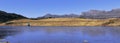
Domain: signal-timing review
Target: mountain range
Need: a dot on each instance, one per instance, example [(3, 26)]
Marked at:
[(98, 14), (60, 16), (92, 14)]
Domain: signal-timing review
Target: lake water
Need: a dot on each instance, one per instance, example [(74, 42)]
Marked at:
[(37, 34)]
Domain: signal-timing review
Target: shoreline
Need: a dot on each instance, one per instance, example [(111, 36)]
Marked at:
[(114, 22), (60, 26)]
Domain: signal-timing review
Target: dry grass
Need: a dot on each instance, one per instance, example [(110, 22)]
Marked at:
[(66, 22)]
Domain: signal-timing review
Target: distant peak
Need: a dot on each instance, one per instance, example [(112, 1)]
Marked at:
[(117, 9)]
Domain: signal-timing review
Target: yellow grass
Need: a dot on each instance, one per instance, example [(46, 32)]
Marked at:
[(66, 22)]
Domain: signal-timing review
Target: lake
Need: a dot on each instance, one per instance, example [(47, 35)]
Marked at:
[(59, 34)]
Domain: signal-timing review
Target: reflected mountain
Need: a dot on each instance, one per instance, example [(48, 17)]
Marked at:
[(7, 31)]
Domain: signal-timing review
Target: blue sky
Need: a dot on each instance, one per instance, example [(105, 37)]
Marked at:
[(36, 8)]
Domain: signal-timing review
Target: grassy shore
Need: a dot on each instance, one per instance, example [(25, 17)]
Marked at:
[(65, 22)]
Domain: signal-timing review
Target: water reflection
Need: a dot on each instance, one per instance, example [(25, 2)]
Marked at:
[(7, 31), (64, 34)]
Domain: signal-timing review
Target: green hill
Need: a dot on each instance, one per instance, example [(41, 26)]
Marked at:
[(4, 16)]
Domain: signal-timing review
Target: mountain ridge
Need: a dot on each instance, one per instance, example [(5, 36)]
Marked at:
[(91, 14), (99, 14), (4, 16)]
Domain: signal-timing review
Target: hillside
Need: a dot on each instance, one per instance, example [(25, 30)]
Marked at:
[(4, 16), (66, 22)]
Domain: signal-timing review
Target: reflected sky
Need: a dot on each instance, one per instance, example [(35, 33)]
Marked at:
[(65, 35)]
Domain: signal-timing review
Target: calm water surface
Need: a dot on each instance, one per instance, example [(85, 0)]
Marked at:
[(22, 34)]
